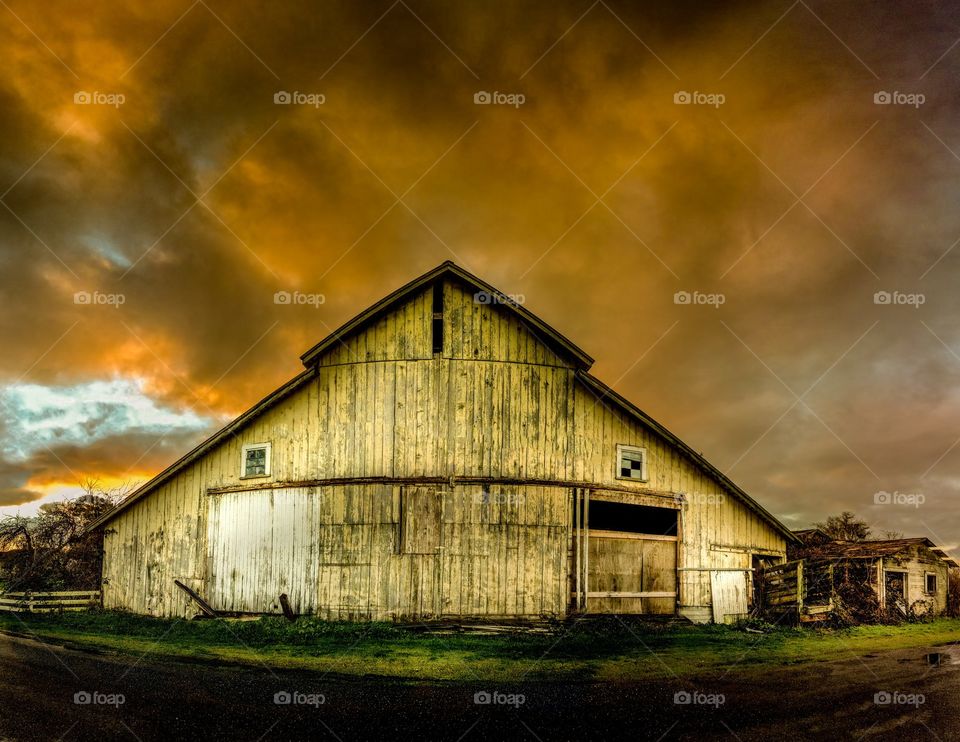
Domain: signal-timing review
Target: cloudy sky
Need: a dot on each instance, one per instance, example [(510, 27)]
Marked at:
[(745, 213)]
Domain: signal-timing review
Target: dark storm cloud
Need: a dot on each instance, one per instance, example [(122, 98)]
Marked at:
[(297, 197)]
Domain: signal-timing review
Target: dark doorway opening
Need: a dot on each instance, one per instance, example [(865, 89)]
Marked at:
[(629, 518)]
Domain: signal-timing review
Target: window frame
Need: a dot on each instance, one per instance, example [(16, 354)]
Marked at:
[(267, 460), (926, 577), (621, 447)]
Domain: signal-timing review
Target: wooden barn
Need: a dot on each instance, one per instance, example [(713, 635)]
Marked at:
[(443, 454)]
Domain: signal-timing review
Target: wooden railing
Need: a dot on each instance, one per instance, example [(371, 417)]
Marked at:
[(48, 602), (801, 588)]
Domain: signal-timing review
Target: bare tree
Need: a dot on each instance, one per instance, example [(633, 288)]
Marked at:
[(53, 550), (845, 527)]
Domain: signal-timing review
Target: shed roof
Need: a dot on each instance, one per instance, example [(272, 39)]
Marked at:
[(872, 549)]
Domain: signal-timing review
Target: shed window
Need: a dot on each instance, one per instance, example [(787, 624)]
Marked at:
[(631, 463), (931, 583), (255, 460)]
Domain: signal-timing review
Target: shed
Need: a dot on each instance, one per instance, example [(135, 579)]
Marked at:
[(896, 578)]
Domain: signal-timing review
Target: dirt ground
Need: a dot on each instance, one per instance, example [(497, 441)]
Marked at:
[(127, 698)]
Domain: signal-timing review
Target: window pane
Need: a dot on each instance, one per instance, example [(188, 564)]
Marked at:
[(256, 462)]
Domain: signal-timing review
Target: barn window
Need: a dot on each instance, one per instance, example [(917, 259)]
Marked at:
[(255, 460), (931, 583), (631, 463)]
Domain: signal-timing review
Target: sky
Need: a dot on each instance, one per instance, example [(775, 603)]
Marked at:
[(744, 212)]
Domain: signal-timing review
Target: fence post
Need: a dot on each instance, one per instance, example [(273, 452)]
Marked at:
[(801, 588)]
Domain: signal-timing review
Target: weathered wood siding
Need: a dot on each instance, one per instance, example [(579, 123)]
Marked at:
[(348, 552), (497, 403), (918, 561), (718, 530)]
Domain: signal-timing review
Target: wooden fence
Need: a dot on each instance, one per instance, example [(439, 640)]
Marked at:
[(49, 602), (803, 590)]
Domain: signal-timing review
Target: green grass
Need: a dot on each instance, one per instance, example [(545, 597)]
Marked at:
[(606, 651)]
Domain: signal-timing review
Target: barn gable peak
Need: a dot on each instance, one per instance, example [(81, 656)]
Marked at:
[(450, 270)]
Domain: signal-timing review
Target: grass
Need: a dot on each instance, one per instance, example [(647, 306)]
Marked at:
[(607, 651)]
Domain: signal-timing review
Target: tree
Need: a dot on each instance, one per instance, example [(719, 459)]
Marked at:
[(845, 527), (891, 535), (53, 549)]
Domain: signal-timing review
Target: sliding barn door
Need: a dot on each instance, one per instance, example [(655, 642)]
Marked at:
[(625, 557), (262, 544)]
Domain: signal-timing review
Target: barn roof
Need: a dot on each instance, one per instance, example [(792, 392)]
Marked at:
[(543, 331)]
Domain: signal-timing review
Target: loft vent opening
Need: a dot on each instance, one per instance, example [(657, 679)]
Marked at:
[(437, 326)]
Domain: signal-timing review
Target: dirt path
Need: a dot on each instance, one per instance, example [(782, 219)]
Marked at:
[(162, 701)]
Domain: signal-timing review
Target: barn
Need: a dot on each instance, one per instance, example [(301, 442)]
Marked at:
[(445, 453)]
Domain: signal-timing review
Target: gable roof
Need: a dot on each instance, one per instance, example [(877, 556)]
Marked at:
[(544, 332)]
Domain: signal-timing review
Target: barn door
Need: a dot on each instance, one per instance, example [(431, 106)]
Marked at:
[(627, 557), (262, 544), (729, 590)]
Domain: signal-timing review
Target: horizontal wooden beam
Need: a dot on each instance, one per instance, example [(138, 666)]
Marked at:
[(45, 603), (665, 499), (715, 569), (645, 594), (632, 536), (64, 594), (740, 549), (37, 609)]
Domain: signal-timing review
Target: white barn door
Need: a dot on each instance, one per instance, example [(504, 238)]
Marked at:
[(262, 544), (729, 590)]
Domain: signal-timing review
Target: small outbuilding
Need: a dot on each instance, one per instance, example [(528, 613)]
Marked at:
[(883, 579)]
